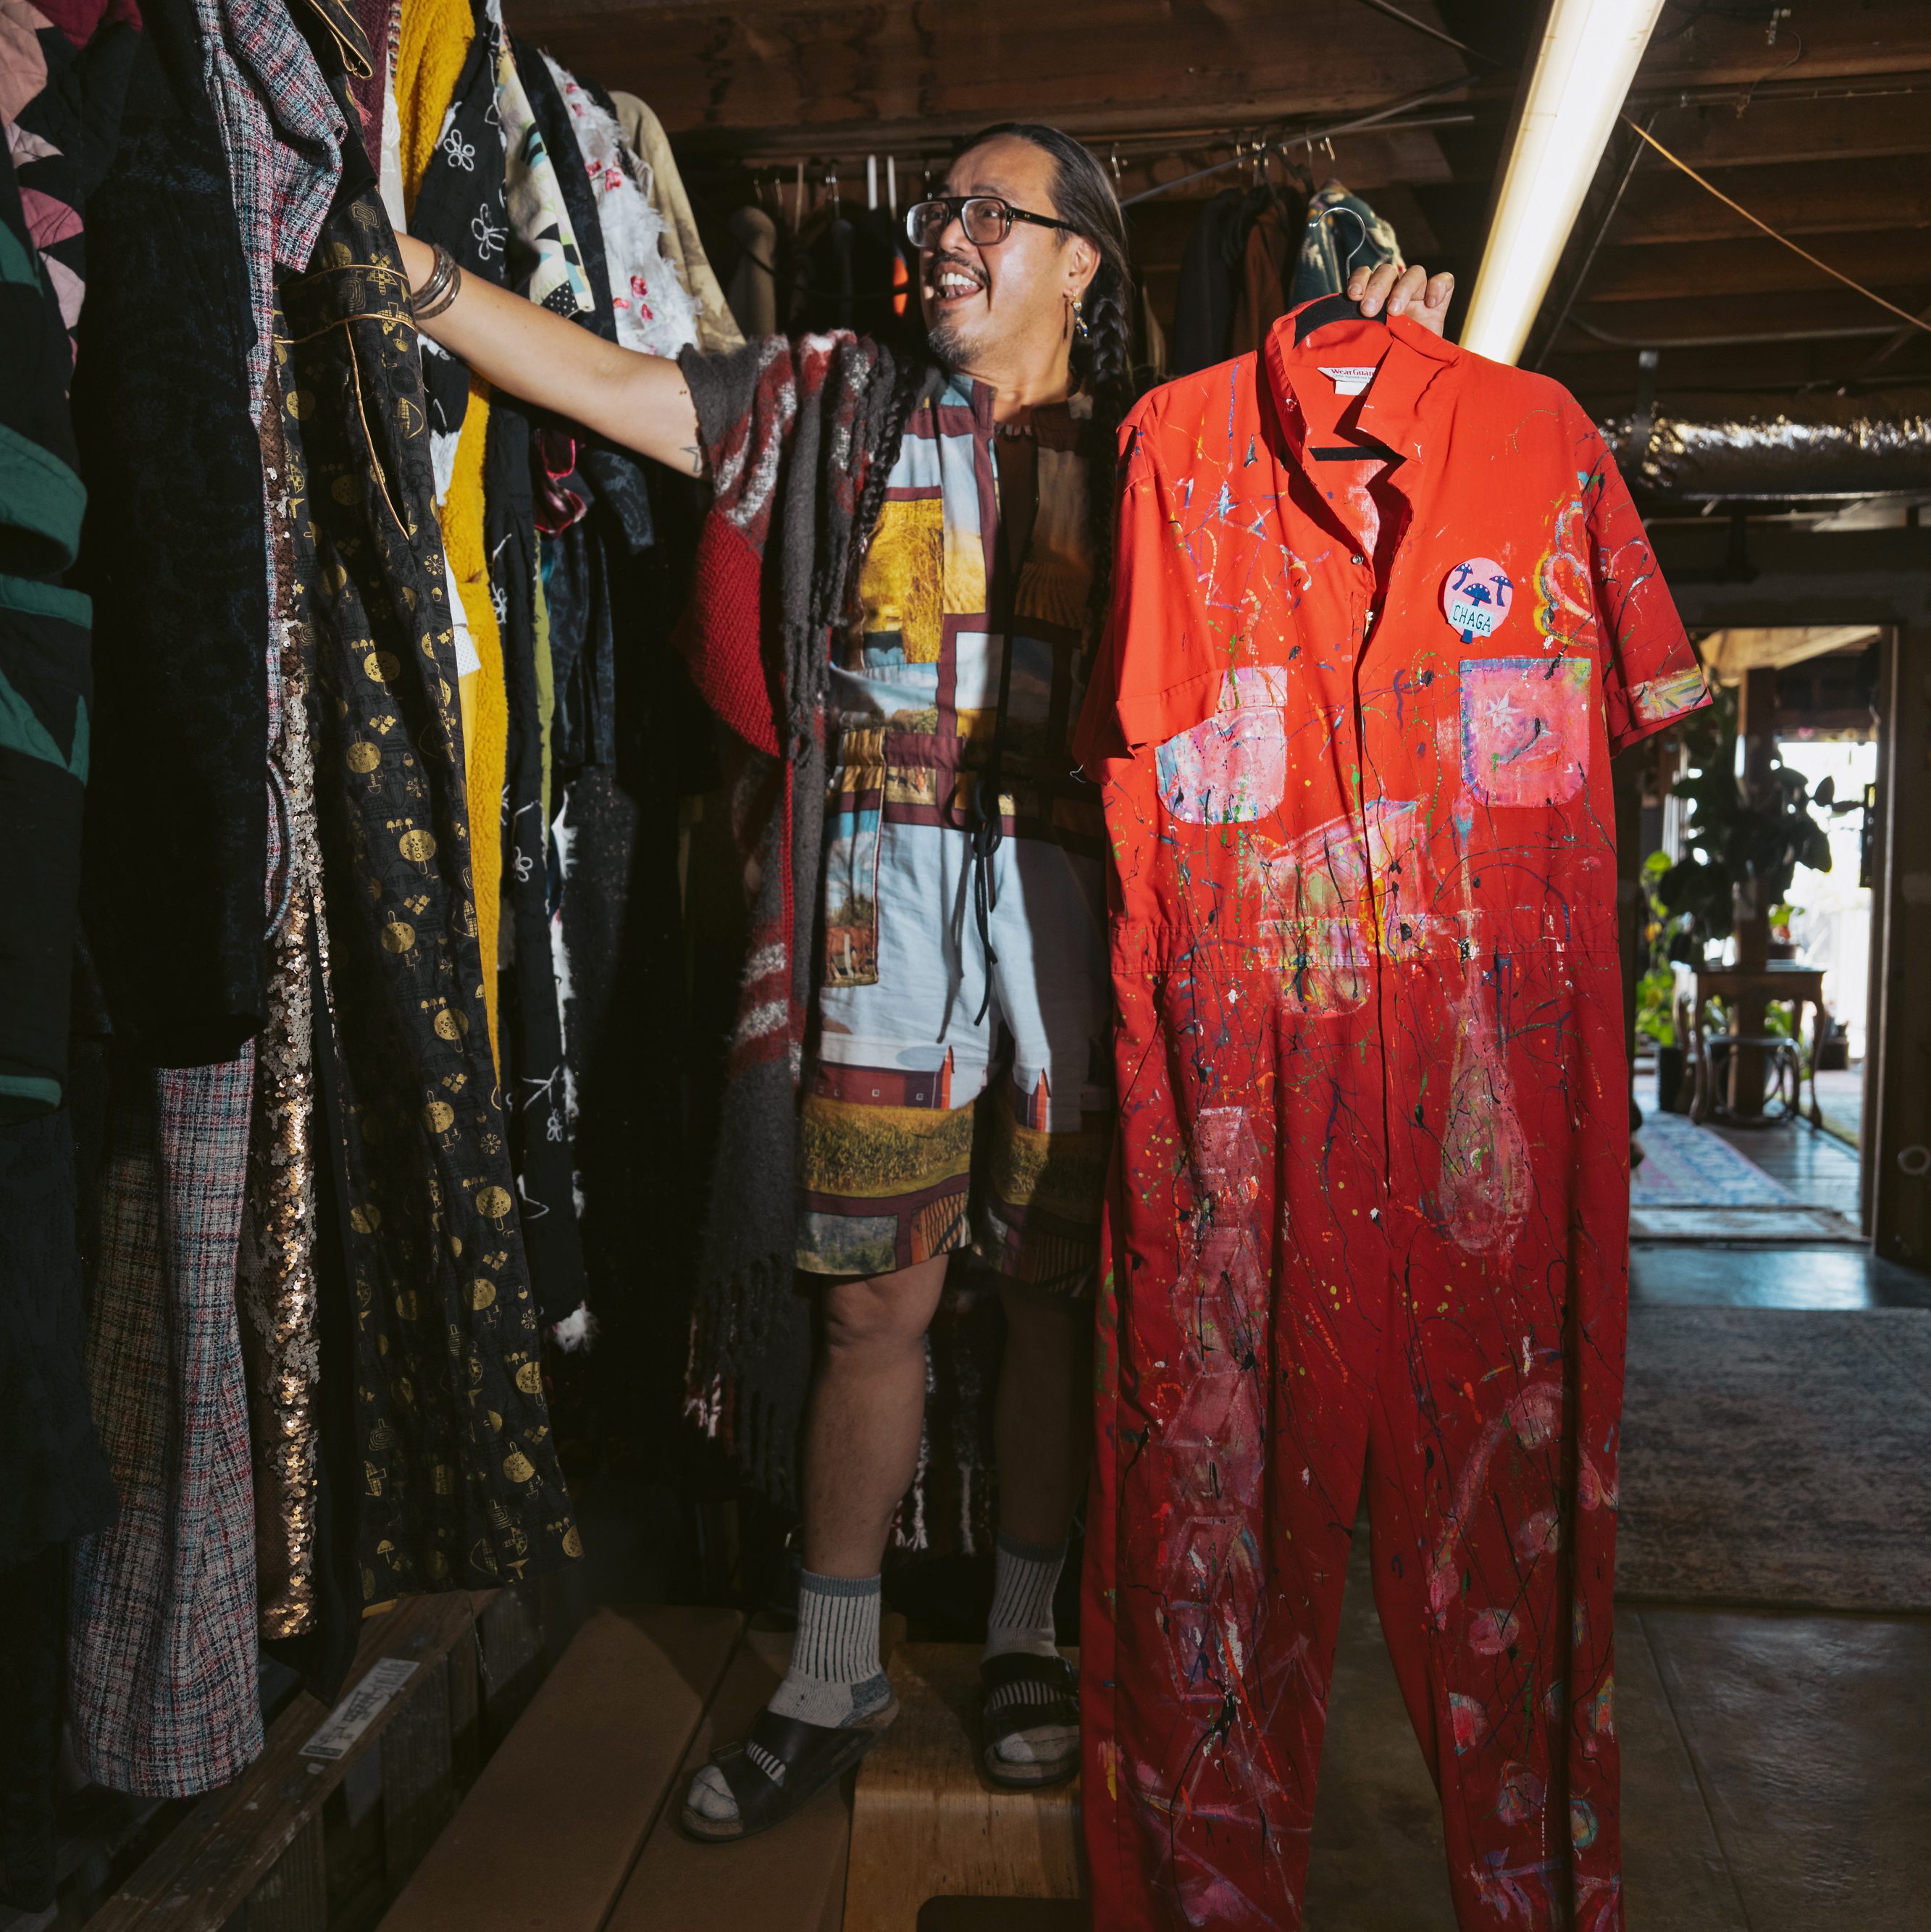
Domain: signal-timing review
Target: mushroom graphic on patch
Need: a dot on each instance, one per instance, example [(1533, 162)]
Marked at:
[(1476, 597)]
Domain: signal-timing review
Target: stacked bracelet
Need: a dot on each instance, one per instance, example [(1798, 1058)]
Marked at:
[(444, 285)]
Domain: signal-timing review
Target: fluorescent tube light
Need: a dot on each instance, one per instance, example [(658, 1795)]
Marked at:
[(1590, 52)]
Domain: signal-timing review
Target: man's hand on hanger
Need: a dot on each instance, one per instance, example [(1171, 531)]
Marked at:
[(1411, 291)]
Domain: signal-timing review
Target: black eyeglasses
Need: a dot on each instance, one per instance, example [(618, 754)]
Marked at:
[(987, 220)]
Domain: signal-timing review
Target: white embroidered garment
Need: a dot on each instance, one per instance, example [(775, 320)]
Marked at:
[(654, 310)]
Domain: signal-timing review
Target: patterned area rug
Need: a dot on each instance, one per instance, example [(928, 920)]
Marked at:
[(1685, 1165), (1778, 1457), (1770, 1226)]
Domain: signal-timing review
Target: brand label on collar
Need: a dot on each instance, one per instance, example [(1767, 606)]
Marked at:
[(1349, 382), (1475, 598)]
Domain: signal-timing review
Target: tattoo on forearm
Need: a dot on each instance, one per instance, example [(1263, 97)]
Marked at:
[(695, 452)]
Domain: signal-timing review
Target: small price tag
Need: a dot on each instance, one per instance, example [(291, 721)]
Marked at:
[(358, 1711), (1476, 597)]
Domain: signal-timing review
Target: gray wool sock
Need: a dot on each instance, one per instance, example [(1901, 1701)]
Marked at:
[(834, 1679), (835, 1676), (1025, 1575)]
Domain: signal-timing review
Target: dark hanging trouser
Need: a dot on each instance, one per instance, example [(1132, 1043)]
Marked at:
[(530, 1028)]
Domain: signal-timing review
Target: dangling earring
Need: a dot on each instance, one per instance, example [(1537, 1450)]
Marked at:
[(1079, 320)]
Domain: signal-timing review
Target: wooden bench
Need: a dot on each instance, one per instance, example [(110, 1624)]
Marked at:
[(789, 1879), (571, 1825), (253, 1855), (551, 1829)]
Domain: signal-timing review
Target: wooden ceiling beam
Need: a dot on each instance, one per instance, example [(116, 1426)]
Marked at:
[(1822, 39), (917, 72), (1800, 198), (1780, 132), (1768, 365), (1885, 259), (1695, 310)]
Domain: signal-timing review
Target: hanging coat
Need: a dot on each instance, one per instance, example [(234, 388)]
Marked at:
[(176, 853)]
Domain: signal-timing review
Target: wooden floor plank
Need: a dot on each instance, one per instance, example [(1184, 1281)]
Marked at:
[(550, 1831), (789, 1879), (926, 1825)]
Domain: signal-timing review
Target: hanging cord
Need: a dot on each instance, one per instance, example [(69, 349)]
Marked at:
[(1433, 32), (1858, 288), (985, 818)]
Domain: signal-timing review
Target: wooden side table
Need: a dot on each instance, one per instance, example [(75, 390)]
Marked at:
[(1781, 979)]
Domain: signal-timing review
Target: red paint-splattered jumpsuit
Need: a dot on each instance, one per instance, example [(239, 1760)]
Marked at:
[(1368, 1217)]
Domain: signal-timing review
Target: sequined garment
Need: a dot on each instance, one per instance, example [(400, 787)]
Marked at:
[(275, 1283), (461, 1484)]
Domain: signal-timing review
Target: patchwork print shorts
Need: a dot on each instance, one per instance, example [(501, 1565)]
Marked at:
[(926, 1129)]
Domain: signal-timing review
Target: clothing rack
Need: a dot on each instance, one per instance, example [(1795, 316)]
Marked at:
[(903, 161), (1280, 142)]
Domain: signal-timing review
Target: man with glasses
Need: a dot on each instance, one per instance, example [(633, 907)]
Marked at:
[(961, 1094)]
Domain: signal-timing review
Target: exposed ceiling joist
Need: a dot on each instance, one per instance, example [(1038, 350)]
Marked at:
[(1728, 655), (1703, 47), (915, 72), (1885, 259), (1778, 130), (1833, 197)]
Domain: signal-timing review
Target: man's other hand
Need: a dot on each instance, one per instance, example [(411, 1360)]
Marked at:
[(1412, 291)]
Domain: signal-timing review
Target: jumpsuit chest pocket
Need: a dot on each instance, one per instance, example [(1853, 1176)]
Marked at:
[(1231, 769), (1526, 728)]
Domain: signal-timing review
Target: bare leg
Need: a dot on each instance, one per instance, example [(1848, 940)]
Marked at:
[(867, 1409), (861, 1435), (1043, 1416)]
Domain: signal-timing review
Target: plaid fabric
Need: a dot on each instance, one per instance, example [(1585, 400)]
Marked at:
[(282, 131), (163, 1631)]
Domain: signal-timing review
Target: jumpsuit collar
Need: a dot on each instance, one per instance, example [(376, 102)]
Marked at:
[(1409, 358)]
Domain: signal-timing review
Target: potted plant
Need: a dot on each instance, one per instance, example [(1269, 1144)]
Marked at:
[(1742, 845), (1657, 1016), (1781, 946)]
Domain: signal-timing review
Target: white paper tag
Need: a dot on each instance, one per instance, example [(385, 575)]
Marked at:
[(1349, 382), (358, 1711)]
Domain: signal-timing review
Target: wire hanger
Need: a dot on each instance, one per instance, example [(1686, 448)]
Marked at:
[(1360, 232)]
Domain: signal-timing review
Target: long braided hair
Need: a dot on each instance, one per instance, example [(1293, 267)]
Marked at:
[(1103, 358)]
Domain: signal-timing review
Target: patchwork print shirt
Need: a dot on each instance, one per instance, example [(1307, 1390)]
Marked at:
[(915, 686)]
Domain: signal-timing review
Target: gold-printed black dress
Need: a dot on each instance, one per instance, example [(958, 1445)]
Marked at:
[(461, 1484)]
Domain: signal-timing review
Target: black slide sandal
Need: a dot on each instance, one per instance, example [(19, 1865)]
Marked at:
[(1003, 1714), (811, 1756)]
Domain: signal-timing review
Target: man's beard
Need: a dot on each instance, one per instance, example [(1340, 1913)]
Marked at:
[(947, 344)]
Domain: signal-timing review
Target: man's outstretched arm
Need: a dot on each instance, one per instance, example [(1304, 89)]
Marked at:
[(638, 400)]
